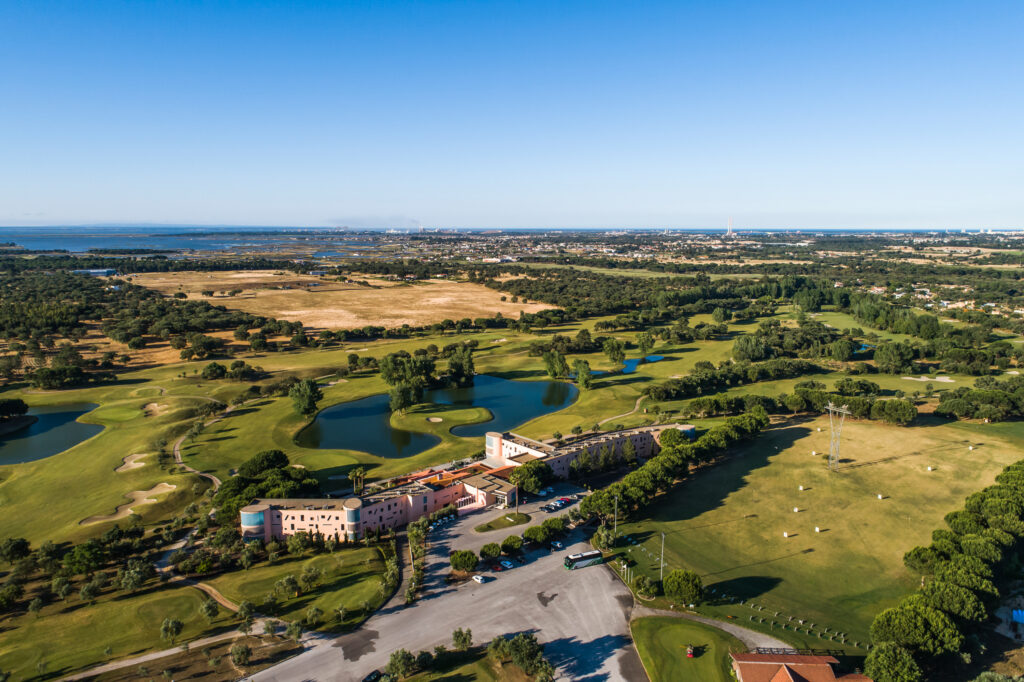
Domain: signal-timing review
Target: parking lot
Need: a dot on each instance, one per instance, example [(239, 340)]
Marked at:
[(582, 616)]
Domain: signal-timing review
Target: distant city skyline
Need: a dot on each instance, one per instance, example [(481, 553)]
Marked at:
[(575, 115)]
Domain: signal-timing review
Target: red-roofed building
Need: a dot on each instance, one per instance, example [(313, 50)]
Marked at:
[(789, 668)]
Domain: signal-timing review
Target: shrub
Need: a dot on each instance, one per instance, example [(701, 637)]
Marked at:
[(683, 587)]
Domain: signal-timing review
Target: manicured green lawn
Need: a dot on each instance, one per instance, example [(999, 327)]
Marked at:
[(662, 642), (506, 521), (73, 636), (727, 522), (84, 476), (170, 401), (351, 578)]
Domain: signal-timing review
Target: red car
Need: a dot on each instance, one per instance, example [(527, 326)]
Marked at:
[(497, 568)]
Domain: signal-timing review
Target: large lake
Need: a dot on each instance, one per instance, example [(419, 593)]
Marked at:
[(55, 431), (365, 425)]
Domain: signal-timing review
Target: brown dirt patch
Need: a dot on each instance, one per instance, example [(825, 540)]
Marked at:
[(324, 304)]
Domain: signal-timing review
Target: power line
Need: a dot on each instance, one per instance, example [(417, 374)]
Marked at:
[(836, 415)]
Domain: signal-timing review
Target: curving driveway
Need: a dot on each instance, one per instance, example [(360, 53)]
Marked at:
[(581, 616)]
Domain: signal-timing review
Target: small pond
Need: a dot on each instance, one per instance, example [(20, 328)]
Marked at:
[(365, 424), (54, 431), (628, 366)]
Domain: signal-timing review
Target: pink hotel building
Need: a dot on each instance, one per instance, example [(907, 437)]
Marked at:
[(409, 497)]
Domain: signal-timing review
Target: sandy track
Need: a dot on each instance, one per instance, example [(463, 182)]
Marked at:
[(138, 497)]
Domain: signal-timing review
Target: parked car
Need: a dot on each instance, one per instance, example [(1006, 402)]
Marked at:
[(478, 579), (555, 544), (519, 559), (372, 677), (496, 568), (507, 564)]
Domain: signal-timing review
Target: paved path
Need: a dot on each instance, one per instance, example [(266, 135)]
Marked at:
[(750, 638), (177, 451), (636, 407), (581, 616)]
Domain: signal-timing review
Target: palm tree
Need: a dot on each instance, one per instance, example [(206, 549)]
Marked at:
[(357, 475)]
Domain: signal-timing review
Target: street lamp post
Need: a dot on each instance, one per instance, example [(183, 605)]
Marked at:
[(661, 577), (615, 522)]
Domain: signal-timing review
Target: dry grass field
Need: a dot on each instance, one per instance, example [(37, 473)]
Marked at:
[(325, 304)]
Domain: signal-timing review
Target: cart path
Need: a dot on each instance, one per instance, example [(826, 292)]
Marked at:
[(624, 414), (750, 638)]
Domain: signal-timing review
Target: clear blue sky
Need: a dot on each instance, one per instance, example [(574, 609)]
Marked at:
[(526, 114)]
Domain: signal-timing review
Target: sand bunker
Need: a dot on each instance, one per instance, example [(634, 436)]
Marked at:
[(434, 420), (941, 380), (131, 462), (155, 409), (137, 497)]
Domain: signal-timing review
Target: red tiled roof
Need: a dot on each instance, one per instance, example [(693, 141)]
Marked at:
[(789, 668)]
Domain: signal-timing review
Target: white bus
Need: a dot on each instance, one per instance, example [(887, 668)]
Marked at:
[(583, 559)]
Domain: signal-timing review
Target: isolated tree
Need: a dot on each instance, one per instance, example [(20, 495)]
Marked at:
[(246, 610), (531, 476), (289, 585), (89, 592), (14, 549), (170, 629), (294, 631), (209, 609), (241, 654), (555, 364), (536, 534), (310, 577), (462, 639), (305, 395), (401, 664), (645, 342), (511, 544), (683, 587), (401, 397), (463, 560), (490, 550), (615, 350), (584, 377)]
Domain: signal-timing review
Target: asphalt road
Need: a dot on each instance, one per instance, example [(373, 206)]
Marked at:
[(581, 616)]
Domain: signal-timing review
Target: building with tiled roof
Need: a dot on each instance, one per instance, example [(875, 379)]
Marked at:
[(790, 668)]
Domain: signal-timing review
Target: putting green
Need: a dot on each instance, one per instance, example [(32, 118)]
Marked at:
[(662, 644)]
